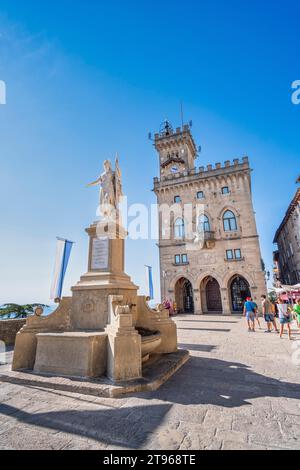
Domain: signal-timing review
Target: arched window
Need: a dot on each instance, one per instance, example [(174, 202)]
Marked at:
[(203, 223), (179, 230), (229, 221)]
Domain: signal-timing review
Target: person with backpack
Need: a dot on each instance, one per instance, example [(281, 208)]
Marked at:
[(267, 311), (249, 312)]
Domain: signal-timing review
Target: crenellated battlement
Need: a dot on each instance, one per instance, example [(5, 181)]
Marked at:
[(171, 133), (207, 172)]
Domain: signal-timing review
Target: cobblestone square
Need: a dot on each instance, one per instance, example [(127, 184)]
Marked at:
[(239, 390)]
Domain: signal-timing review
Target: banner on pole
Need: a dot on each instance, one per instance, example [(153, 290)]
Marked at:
[(62, 256), (149, 278)]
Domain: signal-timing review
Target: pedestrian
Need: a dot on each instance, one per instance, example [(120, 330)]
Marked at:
[(249, 312), (167, 305), (268, 314), (171, 310), (296, 309), (284, 317), (274, 308), (256, 313)]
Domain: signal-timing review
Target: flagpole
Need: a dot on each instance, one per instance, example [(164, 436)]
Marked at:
[(63, 251), (150, 281)]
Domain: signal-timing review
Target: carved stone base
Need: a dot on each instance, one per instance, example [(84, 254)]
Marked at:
[(26, 339), (90, 305), (81, 354), (105, 277), (124, 361)]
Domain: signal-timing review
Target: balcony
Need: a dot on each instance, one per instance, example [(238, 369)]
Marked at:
[(208, 236)]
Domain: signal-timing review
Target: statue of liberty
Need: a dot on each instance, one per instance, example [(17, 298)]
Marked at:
[(110, 183)]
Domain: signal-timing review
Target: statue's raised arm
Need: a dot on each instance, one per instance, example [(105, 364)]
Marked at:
[(95, 183)]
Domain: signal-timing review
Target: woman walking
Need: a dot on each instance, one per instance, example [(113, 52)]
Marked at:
[(284, 317)]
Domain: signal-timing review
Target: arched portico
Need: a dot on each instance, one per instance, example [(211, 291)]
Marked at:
[(210, 294), (239, 290), (184, 296)]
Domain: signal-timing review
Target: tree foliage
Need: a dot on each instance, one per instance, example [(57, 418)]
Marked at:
[(19, 311)]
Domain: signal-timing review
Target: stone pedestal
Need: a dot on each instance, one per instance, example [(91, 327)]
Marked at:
[(94, 332), (26, 339), (81, 354), (124, 354), (105, 277)]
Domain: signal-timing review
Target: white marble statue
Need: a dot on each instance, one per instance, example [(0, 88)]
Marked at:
[(118, 182), (110, 183)]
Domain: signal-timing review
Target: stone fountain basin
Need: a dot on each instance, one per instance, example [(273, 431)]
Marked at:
[(150, 342)]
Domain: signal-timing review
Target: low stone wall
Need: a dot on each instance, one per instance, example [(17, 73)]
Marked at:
[(9, 329)]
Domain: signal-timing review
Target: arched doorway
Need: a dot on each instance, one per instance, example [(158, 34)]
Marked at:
[(239, 291), (184, 296), (211, 295)]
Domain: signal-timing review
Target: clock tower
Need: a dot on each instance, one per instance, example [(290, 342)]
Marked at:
[(177, 150), (220, 267)]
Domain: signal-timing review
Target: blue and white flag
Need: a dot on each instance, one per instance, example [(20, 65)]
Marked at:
[(150, 281), (63, 251)]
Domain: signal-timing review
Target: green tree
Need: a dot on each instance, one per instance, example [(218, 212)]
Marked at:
[(19, 311)]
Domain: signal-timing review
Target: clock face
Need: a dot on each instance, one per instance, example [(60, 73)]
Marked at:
[(174, 169)]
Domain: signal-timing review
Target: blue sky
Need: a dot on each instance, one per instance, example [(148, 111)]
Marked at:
[(88, 78)]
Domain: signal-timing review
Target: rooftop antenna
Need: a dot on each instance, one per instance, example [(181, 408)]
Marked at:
[(181, 112)]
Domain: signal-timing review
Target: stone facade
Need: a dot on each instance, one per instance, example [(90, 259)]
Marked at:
[(287, 237), (213, 262), (9, 329)]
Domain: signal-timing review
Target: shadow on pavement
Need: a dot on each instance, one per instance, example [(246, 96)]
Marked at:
[(220, 330), (121, 426), (216, 382), (201, 381), (197, 347), (208, 321)]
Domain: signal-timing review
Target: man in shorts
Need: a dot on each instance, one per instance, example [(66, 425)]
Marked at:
[(249, 312), (268, 314)]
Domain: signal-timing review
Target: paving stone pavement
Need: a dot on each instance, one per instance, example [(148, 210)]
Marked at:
[(239, 390)]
